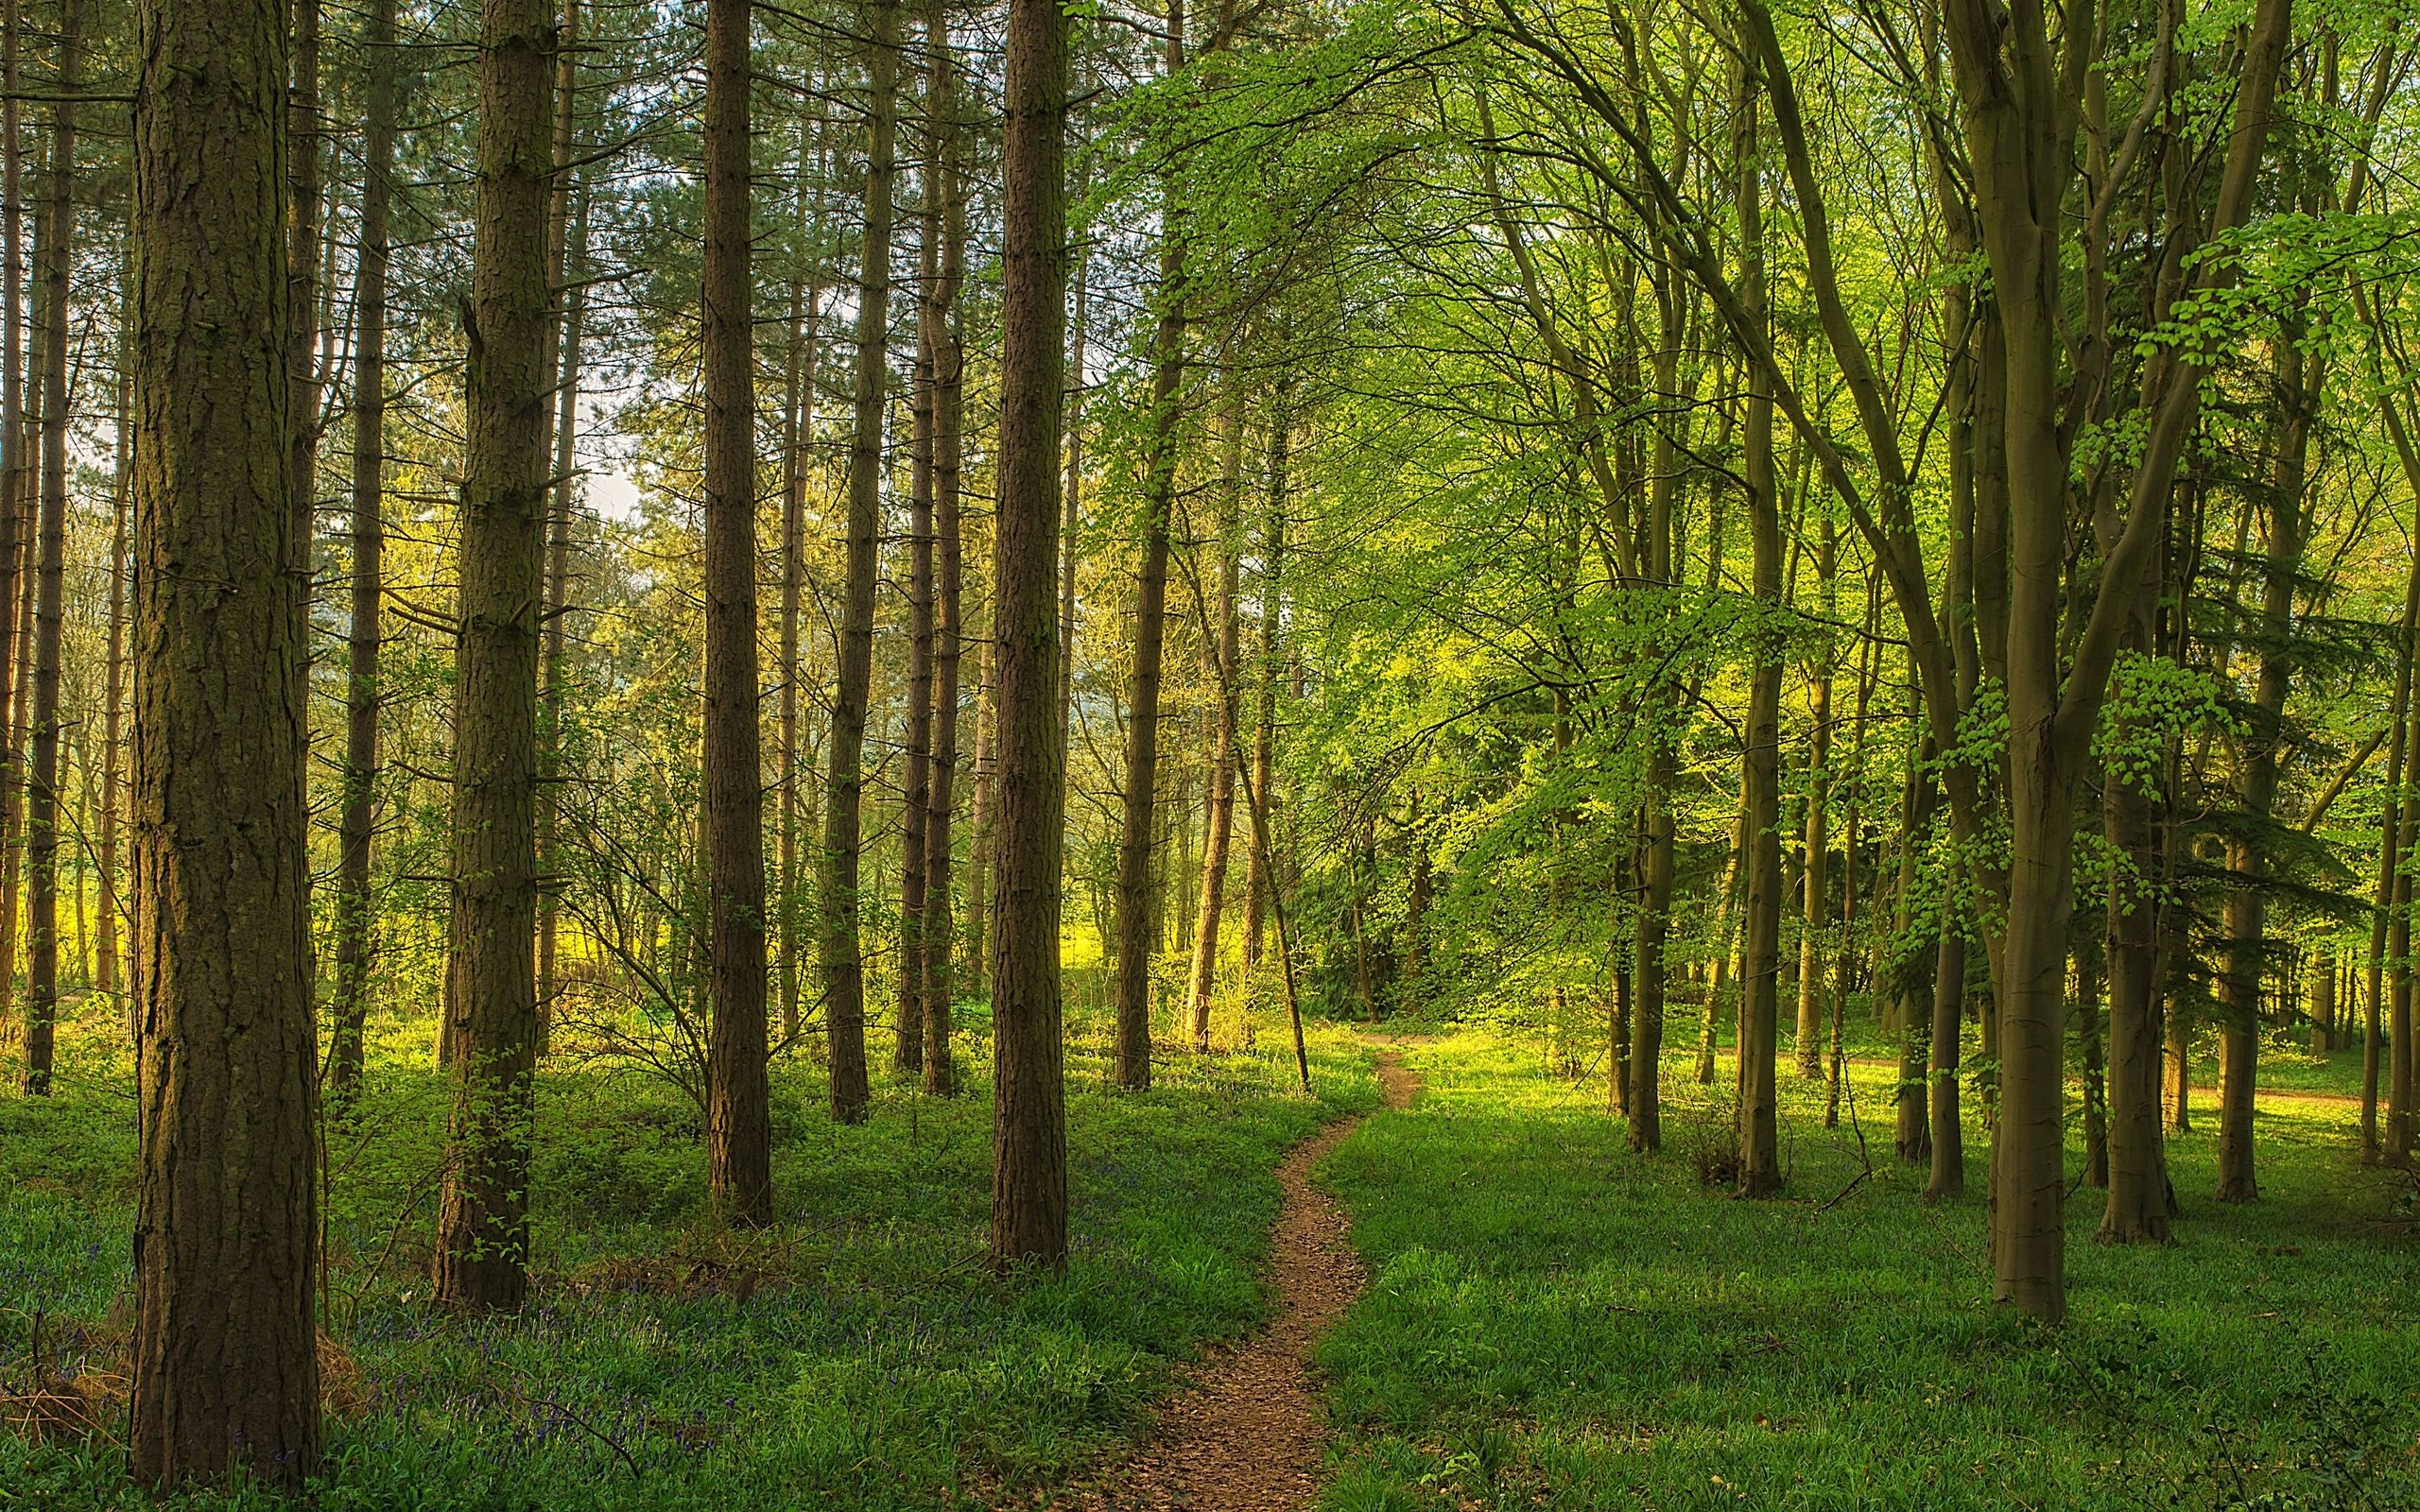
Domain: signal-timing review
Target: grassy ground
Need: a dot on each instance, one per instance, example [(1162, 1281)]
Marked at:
[(858, 1356), (1553, 1322)]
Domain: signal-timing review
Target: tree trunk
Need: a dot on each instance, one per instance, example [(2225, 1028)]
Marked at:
[(55, 256), (1132, 1066), (1224, 636), (798, 433), (2391, 843), (1760, 1131), (1029, 1121), (844, 977), (107, 976), (739, 1112), (2095, 1111), (225, 1359), (1815, 899), (566, 254), (1260, 881), (948, 375), (2301, 380), (916, 788), (483, 1220), (1071, 518), (357, 917)]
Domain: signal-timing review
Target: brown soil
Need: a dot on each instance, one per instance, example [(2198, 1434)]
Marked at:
[(1247, 1433)]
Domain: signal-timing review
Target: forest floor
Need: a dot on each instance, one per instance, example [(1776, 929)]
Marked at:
[(1247, 1431), (1552, 1321), (858, 1356), (1543, 1319)]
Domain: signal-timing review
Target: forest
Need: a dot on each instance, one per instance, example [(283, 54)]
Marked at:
[(1362, 755)]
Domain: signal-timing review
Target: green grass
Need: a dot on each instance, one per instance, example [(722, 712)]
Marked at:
[(858, 1356), (1554, 1322)]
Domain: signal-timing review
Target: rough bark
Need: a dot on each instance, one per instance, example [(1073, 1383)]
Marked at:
[(1029, 1121), (483, 1218), (738, 1112), (225, 1360)]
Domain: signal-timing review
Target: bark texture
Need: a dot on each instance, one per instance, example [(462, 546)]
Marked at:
[(225, 1359)]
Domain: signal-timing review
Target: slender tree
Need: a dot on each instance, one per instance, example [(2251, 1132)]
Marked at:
[(55, 257), (949, 376), (1030, 1120), (738, 1116), (843, 954), (356, 909), (483, 1219)]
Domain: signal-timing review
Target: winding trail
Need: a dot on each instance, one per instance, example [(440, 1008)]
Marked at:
[(1247, 1434)]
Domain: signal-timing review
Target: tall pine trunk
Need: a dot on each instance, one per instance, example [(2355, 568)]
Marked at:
[(55, 257), (357, 918), (948, 375), (844, 970), (483, 1218), (738, 1107), (225, 1359), (1030, 1122)]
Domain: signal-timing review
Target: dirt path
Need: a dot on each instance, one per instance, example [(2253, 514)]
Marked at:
[(1247, 1434)]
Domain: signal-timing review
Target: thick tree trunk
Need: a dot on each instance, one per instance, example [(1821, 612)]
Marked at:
[(1030, 1122), (225, 1358), (483, 1220), (2139, 1209), (739, 1112), (844, 972), (357, 918), (55, 257)]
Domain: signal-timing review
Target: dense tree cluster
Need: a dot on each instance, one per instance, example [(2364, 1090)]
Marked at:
[(688, 536)]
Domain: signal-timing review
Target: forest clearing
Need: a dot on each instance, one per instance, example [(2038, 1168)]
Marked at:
[(1361, 755)]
